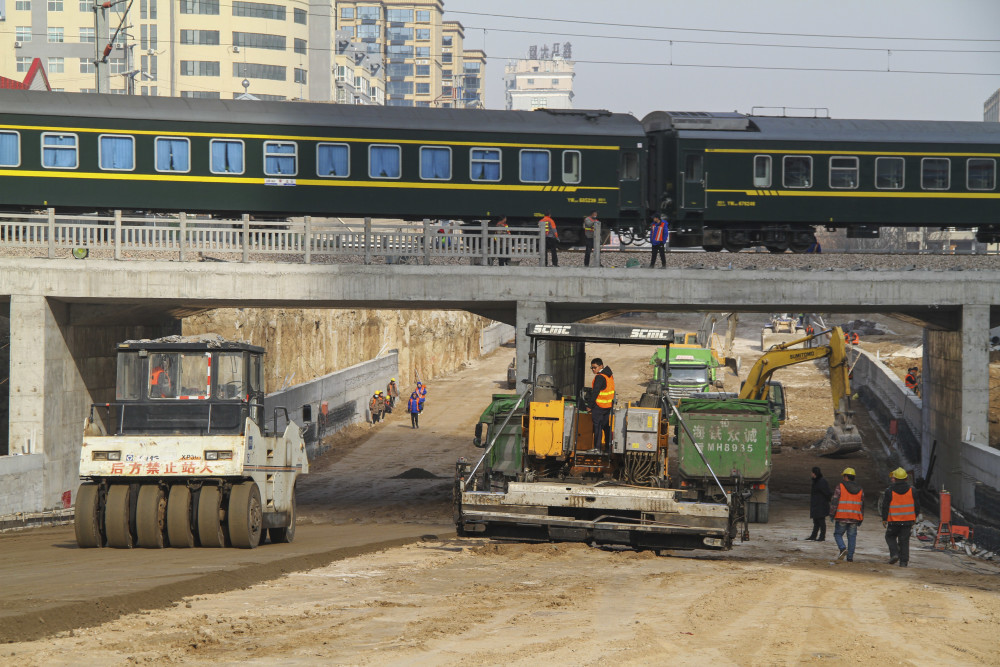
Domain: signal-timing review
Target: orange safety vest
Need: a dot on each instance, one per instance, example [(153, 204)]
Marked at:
[(550, 228), (157, 372), (901, 507), (849, 506), (607, 395), (911, 381)]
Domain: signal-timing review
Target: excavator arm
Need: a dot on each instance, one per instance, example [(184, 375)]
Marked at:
[(844, 433)]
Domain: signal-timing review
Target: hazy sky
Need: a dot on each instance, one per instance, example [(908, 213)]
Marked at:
[(903, 59)]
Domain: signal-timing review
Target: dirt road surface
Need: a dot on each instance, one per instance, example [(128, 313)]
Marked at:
[(775, 600)]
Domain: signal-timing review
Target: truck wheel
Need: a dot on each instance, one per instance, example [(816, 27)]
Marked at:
[(287, 534), (117, 517), (151, 516), (179, 517), (245, 516), (763, 509), (87, 516), (751, 510), (209, 522)]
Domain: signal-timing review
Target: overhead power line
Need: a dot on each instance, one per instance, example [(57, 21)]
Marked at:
[(716, 30)]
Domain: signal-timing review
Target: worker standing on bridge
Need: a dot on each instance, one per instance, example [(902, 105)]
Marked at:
[(601, 400), (899, 513), (413, 407), (658, 239), (503, 232), (551, 238), (847, 507), (911, 379), (588, 233)]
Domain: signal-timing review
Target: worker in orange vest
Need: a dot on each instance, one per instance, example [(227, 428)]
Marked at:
[(911, 379), (551, 238), (851, 338), (601, 401), (847, 507), (159, 380), (899, 513)]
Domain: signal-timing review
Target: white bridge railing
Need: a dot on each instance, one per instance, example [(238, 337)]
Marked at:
[(303, 240)]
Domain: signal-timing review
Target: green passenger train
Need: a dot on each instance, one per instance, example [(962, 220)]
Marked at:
[(725, 181)]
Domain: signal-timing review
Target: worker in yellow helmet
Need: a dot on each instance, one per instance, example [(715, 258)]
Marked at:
[(899, 513), (391, 394), (847, 507)]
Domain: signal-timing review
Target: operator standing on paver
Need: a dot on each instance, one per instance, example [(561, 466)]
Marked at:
[(601, 399), (847, 507), (899, 513)]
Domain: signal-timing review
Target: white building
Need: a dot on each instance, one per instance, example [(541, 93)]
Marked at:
[(991, 108), (543, 80)]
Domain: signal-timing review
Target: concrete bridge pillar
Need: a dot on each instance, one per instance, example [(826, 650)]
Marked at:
[(956, 394)]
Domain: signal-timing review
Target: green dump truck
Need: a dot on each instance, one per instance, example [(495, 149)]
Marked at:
[(735, 438), (692, 370)]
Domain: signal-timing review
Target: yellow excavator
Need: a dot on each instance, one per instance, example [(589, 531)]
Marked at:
[(843, 437)]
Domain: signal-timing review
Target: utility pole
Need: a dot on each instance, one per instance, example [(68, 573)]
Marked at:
[(102, 27)]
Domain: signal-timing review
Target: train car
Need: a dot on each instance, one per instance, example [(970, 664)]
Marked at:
[(730, 181), (85, 152)]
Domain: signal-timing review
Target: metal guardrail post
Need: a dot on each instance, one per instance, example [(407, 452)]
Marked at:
[(52, 232), (368, 240), (183, 238), (486, 242), (598, 236), (427, 242), (118, 234), (246, 237), (309, 239), (541, 243)]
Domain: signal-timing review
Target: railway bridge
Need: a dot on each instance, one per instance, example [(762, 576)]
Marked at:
[(66, 316)]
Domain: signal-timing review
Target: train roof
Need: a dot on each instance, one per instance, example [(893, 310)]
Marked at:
[(573, 122), (735, 127)]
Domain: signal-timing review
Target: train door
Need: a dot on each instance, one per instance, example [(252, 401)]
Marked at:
[(629, 185), (693, 181)]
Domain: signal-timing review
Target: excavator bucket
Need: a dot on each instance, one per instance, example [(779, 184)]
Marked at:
[(843, 437)]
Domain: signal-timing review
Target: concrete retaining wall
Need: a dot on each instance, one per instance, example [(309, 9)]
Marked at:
[(494, 336), (345, 392), (22, 484), (887, 398)]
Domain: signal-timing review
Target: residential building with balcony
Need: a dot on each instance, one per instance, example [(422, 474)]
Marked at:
[(543, 80)]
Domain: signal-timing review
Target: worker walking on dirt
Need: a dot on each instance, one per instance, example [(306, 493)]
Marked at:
[(381, 405), (373, 408), (899, 513), (911, 379), (392, 393), (413, 407), (421, 395), (602, 398), (847, 507), (819, 505)]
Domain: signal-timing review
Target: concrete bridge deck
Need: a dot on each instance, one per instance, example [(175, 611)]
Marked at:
[(67, 315)]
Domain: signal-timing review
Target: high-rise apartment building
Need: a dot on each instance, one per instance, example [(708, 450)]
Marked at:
[(543, 80), (277, 50), (425, 56), (991, 108)]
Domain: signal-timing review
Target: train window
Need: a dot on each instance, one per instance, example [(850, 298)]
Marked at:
[(333, 160), (571, 167), (762, 171), (117, 152), (981, 173), (484, 164), (535, 166), (60, 151), (797, 170), (383, 161), (889, 173), (435, 163), (281, 158), (935, 173), (10, 149), (844, 173), (227, 156), (630, 166), (694, 168), (173, 154)]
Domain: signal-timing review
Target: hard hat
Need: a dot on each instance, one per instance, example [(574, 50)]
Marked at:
[(899, 473), (392, 380), (848, 471)]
